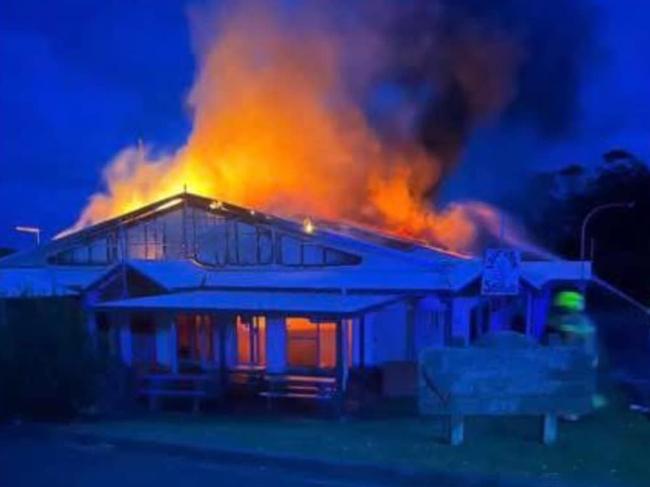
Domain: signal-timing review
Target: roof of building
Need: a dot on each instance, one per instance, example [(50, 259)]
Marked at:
[(388, 264), (540, 273), (37, 256), (176, 275), (249, 301), (46, 281), (380, 247), (188, 275)]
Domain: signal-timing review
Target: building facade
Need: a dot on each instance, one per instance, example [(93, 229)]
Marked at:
[(190, 291)]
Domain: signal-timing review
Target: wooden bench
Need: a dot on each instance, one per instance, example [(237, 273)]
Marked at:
[(197, 387)]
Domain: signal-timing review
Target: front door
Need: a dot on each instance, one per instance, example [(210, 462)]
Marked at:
[(194, 339), (251, 341)]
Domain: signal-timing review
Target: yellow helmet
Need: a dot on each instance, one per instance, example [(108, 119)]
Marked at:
[(569, 300)]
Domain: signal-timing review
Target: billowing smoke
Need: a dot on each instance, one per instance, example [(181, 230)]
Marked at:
[(353, 111), (464, 63)]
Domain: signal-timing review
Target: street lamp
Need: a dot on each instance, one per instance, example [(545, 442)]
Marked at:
[(33, 230), (583, 232), (590, 215)]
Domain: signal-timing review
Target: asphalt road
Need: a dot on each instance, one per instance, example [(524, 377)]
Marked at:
[(38, 462)]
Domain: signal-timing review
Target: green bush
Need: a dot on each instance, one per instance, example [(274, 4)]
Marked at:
[(48, 369)]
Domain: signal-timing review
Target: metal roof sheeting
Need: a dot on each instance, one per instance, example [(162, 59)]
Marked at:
[(540, 273), (45, 281), (185, 275), (249, 301), (176, 275)]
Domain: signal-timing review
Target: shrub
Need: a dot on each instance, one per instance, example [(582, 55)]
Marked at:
[(47, 366)]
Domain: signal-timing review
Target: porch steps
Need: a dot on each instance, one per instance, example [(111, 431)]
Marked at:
[(300, 387), (291, 395), (303, 388), (246, 379)]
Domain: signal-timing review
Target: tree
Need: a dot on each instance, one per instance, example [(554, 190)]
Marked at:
[(620, 237), (4, 251), (47, 367)]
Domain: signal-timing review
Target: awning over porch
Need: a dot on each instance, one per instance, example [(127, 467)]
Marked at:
[(249, 301)]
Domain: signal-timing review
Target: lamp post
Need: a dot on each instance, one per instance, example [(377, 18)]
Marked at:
[(33, 230), (590, 215), (583, 230)]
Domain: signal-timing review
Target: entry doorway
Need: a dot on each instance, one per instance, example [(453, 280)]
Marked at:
[(251, 341), (195, 337), (143, 333), (479, 321)]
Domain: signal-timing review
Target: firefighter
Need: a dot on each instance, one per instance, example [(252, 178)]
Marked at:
[(569, 321)]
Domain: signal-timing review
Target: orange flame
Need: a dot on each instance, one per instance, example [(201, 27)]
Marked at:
[(276, 129)]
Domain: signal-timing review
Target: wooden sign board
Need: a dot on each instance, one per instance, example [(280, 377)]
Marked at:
[(506, 377), (501, 269)]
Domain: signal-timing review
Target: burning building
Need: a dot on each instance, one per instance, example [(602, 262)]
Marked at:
[(190, 288), (194, 289)]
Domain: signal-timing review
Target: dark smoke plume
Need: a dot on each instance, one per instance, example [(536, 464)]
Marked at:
[(477, 60)]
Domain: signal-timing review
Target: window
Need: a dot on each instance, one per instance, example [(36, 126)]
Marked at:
[(231, 242), (311, 344), (195, 338), (251, 340), (296, 252), (291, 250), (95, 252)]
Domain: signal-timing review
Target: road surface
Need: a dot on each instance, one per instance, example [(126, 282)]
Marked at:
[(38, 460), (35, 462)]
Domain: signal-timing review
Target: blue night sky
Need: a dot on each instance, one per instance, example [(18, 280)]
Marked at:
[(79, 80)]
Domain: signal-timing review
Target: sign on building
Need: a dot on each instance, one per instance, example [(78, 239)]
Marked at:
[(501, 272)]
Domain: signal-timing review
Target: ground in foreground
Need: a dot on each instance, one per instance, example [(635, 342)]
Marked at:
[(606, 448)]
